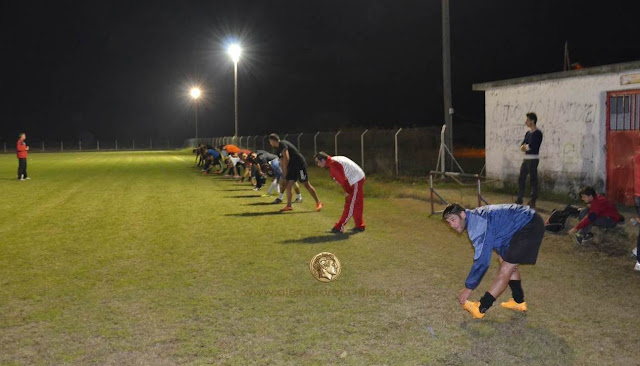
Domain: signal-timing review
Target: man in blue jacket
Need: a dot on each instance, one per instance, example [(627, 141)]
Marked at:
[(514, 232)]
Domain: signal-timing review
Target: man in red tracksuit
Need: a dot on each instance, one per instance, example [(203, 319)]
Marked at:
[(599, 212), (351, 177), (21, 151)]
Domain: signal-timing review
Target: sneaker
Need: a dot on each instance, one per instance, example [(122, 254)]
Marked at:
[(266, 195), (20, 178), (577, 238), (286, 208), (276, 201), (298, 200), (587, 238), (256, 189), (634, 252), (358, 229), (473, 307), (637, 267), (513, 305), (319, 206), (335, 231), (27, 178)]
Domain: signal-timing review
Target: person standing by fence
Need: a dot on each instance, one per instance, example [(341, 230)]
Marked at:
[(531, 147), (21, 151)]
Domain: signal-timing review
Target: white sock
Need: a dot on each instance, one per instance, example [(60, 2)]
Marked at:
[(280, 196), (274, 185), (299, 196)]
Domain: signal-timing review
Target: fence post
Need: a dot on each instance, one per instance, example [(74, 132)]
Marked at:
[(42, 145), (315, 143), (299, 141), (5, 147), (335, 143), (150, 144), (396, 146), (133, 144), (263, 138), (98, 145), (61, 146), (362, 147), (116, 144), (80, 145)]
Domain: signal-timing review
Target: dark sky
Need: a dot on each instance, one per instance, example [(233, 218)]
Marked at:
[(120, 69)]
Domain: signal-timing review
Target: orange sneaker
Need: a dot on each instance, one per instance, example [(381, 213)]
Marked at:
[(318, 206), (473, 307), (513, 305), (286, 208)]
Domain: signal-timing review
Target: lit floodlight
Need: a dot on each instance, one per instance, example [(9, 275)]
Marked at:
[(195, 93), (235, 51)]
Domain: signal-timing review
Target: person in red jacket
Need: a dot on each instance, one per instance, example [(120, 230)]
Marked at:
[(351, 177), (21, 151), (599, 212)]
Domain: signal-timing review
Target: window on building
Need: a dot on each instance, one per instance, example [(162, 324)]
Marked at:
[(624, 110)]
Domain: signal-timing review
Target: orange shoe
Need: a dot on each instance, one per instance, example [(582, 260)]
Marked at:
[(473, 307), (513, 305), (318, 206), (286, 208)]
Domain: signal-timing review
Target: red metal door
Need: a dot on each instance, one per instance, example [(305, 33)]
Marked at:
[(623, 136)]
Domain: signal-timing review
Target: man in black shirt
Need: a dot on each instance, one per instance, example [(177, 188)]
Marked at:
[(294, 168), (531, 147)]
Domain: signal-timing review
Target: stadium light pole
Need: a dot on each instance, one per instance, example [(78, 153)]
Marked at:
[(235, 51), (195, 93)]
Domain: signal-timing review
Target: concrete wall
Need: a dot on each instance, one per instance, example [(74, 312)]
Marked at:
[(572, 116)]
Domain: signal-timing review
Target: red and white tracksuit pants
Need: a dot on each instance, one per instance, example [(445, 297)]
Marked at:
[(353, 206)]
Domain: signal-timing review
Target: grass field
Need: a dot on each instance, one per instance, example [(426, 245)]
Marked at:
[(134, 258)]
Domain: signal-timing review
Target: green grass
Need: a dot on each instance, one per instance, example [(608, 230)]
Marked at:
[(131, 258)]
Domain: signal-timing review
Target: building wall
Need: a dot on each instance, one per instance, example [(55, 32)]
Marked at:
[(572, 116)]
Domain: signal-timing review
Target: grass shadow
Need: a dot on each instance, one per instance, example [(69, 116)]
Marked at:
[(268, 213), (260, 204), (319, 239), (511, 342), (245, 196)]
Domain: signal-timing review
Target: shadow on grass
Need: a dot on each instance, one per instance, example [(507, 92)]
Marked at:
[(269, 213), (511, 342), (319, 239), (245, 196), (260, 204)]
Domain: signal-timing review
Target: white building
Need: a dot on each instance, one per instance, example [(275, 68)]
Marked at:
[(590, 123)]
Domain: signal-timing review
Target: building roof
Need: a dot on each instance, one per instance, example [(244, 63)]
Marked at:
[(606, 69)]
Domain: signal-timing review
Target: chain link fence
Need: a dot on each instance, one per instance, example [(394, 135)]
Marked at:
[(40, 145), (411, 152)]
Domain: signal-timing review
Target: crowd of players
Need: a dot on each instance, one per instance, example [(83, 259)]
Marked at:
[(286, 168)]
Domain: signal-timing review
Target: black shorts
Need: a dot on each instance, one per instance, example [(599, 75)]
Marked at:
[(525, 243), (297, 171)]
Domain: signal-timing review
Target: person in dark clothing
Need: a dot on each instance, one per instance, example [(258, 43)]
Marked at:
[(294, 168), (21, 152), (531, 147)]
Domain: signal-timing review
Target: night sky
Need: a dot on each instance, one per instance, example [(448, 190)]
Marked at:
[(122, 69)]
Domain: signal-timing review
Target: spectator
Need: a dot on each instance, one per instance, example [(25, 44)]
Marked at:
[(531, 147), (351, 177), (21, 151), (636, 193), (599, 212)]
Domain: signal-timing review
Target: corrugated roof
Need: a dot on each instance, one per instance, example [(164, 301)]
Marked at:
[(606, 69)]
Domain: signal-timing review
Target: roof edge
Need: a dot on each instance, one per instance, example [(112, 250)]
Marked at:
[(597, 70)]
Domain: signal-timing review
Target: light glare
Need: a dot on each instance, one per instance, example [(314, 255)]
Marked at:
[(195, 93), (235, 51)]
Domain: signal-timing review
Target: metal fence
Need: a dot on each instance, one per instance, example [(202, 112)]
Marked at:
[(392, 153), (39, 145)]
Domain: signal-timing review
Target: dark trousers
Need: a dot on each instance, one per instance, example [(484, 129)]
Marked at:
[(528, 167), (22, 168), (602, 221)]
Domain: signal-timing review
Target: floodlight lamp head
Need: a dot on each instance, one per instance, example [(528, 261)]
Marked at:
[(235, 51)]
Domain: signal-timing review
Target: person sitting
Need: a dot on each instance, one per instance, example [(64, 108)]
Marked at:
[(599, 212)]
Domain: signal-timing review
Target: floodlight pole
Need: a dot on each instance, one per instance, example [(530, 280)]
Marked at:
[(446, 77), (335, 143), (235, 93), (362, 147)]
